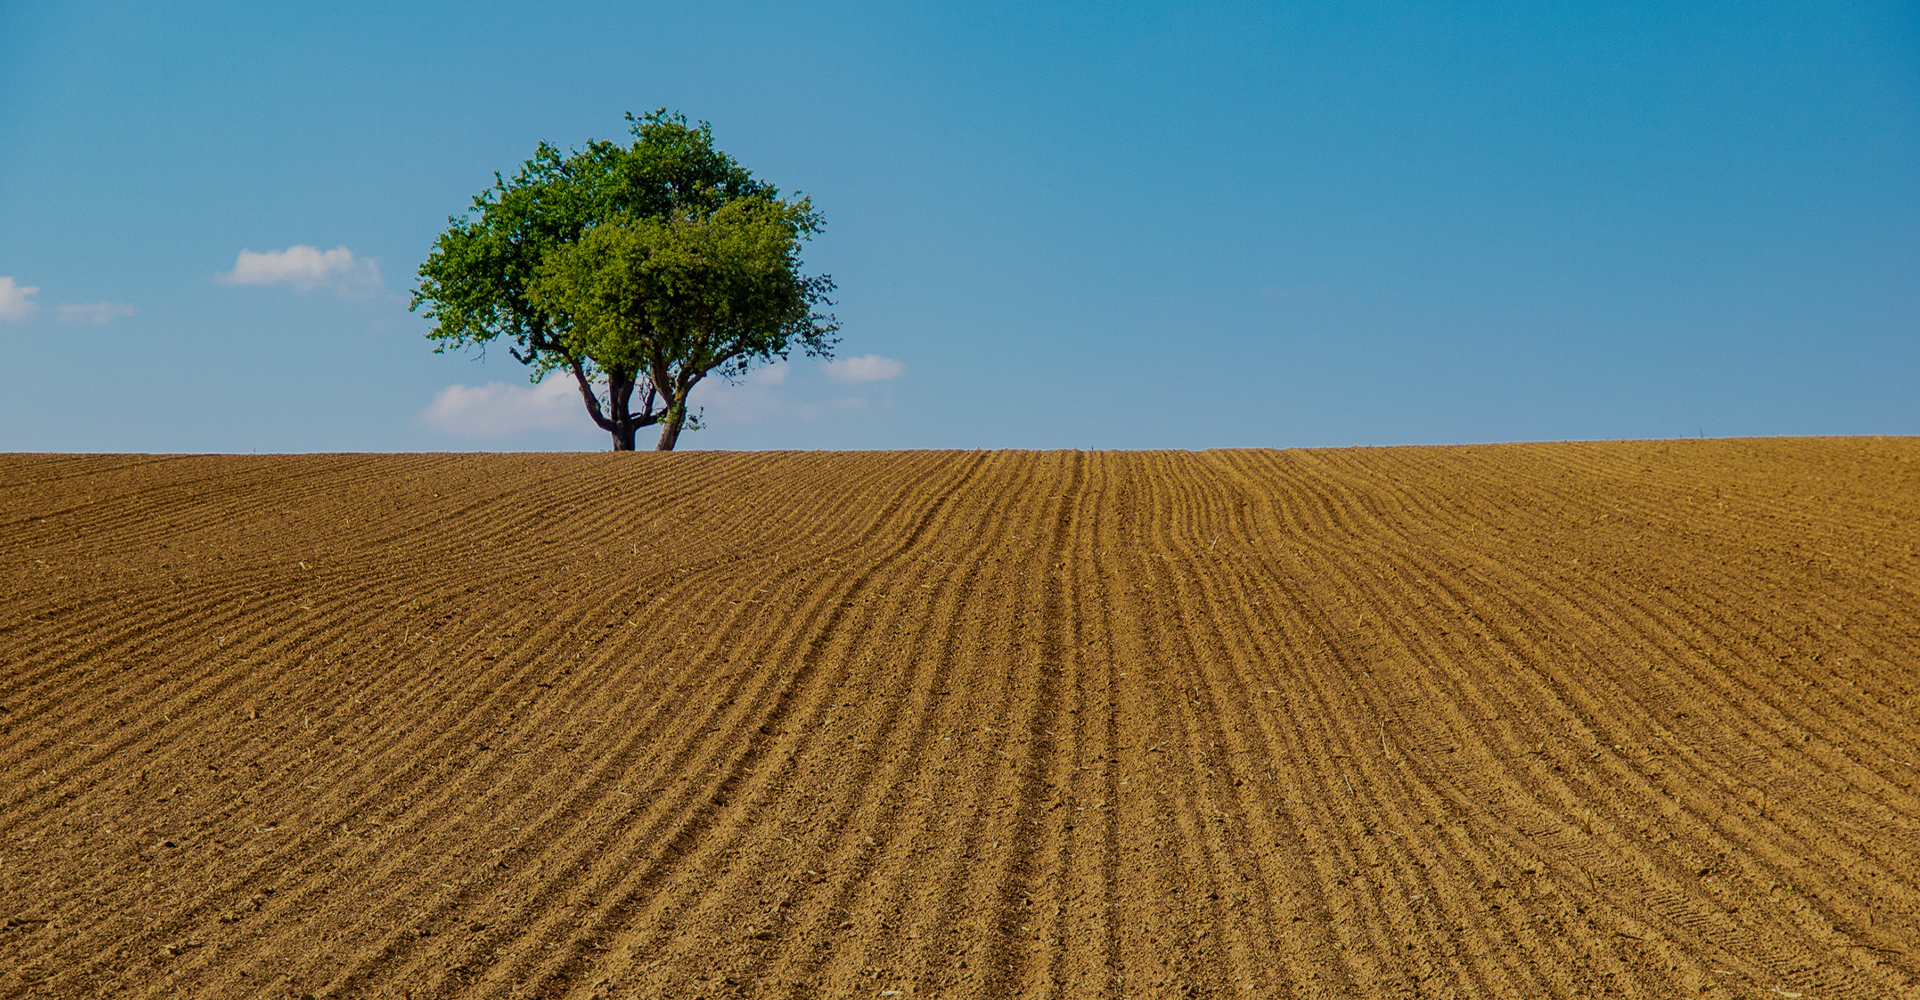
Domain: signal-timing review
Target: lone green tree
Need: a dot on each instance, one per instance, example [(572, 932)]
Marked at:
[(645, 268)]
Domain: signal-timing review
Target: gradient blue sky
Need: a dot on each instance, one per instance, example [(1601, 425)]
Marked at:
[(1071, 225)]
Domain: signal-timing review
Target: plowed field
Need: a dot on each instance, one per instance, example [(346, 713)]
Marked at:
[(1635, 720)]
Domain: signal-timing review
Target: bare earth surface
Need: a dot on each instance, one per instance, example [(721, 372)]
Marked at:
[(1635, 720)]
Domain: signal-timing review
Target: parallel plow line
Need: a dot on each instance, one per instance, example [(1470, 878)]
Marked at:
[(1626, 719)]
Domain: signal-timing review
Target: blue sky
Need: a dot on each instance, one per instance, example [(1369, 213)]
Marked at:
[(1057, 225)]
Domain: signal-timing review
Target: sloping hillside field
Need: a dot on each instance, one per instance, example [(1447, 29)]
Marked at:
[(1634, 720)]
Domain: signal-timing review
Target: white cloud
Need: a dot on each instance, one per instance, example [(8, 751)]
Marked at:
[(500, 408), (753, 399), (764, 395), (865, 368), (16, 301), (93, 312), (306, 268)]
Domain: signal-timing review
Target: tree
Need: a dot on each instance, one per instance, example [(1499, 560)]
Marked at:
[(650, 267)]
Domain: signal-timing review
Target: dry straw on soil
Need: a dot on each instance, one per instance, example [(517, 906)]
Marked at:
[(1526, 721)]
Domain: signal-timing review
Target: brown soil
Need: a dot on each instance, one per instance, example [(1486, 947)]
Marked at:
[(1633, 720)]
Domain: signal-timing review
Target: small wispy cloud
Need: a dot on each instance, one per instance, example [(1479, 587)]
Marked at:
[(501, 408), (93, 312), (16, 301), (764, 395), (865, 368), (306, 268), (769, 395)]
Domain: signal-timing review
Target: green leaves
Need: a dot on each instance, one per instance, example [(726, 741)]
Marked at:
[(687, 294), (654, 264)]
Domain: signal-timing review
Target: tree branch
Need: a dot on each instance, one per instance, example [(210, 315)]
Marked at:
[(592, 401)]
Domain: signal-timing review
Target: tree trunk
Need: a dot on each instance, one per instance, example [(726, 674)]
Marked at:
[(670, 428), (623, 437)]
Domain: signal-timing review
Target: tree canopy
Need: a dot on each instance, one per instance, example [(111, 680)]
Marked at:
[(646, 267)]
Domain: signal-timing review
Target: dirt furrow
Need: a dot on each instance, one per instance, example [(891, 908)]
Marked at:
[(1643, 805), (570, 864), (1465, 728), (1376, 690), (807, 646), (1610, 719)]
